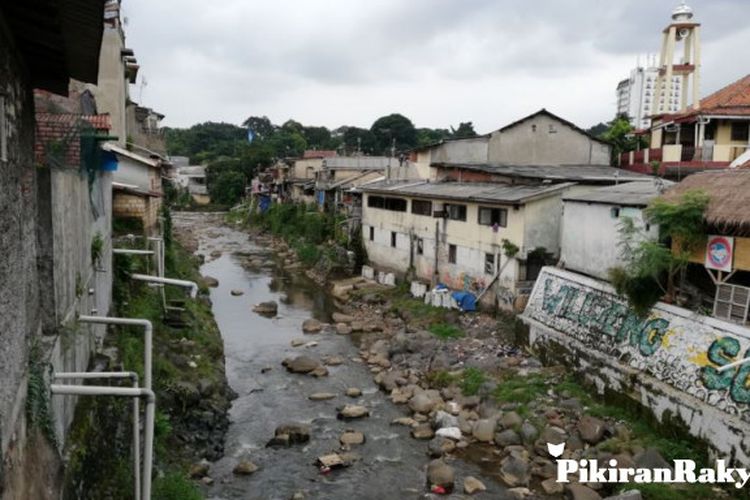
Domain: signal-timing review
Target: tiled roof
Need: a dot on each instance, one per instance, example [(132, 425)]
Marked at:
[(732, 100)]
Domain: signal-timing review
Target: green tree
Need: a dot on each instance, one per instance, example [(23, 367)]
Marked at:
[(358, 139), (228, 188), (651, 267), (392, 127), (261, 126), (464, 131), (427, 136), (619, 133)]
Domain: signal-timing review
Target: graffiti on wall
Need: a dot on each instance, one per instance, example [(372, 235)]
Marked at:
[(673, 345)]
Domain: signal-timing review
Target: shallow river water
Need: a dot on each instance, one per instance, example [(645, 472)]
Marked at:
[(391, 464)]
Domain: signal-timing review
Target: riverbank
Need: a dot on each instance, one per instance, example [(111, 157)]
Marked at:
[(189, 380), (475, 394)]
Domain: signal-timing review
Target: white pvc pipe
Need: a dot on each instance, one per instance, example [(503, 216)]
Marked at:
[(148, 330), (131, 251), (733, 364), (136, 416), (169, 281), (148, 448)]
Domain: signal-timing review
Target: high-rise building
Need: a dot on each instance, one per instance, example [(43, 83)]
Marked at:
[(636, 95)]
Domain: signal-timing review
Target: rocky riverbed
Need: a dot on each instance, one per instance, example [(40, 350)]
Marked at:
[(348, 394)]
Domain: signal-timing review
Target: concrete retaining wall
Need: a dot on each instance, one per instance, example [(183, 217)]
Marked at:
[(667, 361)]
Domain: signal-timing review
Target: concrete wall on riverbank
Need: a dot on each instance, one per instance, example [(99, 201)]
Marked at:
[(667, 361)]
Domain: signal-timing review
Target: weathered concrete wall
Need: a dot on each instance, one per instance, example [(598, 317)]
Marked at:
[(667, 361), (472, 241), (111, 90), (542, 225), (543, 140), (19, 283), (590, 238)]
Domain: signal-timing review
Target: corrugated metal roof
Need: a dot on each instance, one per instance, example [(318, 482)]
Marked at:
[(359, 162), (573, 173), (192, 171), (466, 191), (630, 193)]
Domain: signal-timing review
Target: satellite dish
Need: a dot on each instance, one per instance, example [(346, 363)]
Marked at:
[(250, 135)]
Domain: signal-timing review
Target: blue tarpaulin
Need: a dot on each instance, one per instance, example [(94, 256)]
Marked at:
[(264, 203), (465, 300)]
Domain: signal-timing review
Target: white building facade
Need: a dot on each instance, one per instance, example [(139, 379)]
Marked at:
[(636, 96)]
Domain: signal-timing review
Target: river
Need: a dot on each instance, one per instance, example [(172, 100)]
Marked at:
[(391, 463)]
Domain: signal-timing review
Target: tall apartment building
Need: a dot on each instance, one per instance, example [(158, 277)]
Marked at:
[(636, 96)]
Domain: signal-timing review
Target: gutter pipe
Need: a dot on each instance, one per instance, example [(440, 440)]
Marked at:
[(133, 392), (169, 281), (136, 415)]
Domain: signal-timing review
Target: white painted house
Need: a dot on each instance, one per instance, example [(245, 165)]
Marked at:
[(459, 233), (591, 221)]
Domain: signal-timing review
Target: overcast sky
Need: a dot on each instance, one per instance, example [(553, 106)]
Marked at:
[(439, 62)]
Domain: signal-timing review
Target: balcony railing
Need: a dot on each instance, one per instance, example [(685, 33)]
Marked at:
[(713, 156)]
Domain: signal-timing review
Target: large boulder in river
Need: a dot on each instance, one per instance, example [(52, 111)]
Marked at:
[(311, 325), (440, 474), (269, 308), (301, 364), (210, 281), (289, 434), (349, 412)]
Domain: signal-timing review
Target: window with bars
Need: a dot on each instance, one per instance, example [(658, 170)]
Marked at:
[(732, 303), (421, 207)]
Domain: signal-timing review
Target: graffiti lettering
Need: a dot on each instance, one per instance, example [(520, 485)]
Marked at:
[(646, 335), (721, 352)]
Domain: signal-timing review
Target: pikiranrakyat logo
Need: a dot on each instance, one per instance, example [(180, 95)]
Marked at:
[(684, 471)]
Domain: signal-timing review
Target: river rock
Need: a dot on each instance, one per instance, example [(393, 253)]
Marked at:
[(298, 342), (439, 446), (424, 402), (473, 485), (341, 318), (651, 458), (348, 412), (321, 396), (357, 326), (553, 435), (269, 308), (514, 471), (319, 371), (529, 433), (210, 281), (581, 492), (237, 293), (311, 325), (422, 431), (484, 430), (440, 474), (199, 469), (405, 421), (449, 432), (289, 434), (343, 329), (444, 419), (245, 468), (354, 392), (508, 437), (552, 487), (510, 419), (333, 360), (627, 495), (351, 437), (301, 364), (591, 429)]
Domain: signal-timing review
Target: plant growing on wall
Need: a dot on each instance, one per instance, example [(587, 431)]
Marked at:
[(97, 248), (655, 166), (510, 249), (651, 267)]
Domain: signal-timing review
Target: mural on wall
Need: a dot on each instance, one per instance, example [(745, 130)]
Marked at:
[(675, 346)]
